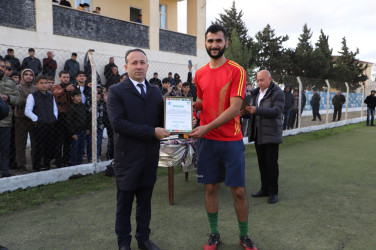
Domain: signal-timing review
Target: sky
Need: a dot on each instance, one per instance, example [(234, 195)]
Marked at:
[(355, 20)]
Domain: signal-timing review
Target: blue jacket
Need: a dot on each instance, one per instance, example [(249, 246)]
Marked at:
[(134, 120)]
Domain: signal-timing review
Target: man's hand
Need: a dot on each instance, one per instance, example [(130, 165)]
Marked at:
[(161, 133), (5, 97), (74, 137), (70, 88), (251, 109), (194, 121), (87, 132), (199, 132), (197, 106), (242, 112)]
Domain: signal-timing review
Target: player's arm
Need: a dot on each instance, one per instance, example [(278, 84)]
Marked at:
[(226, 116)]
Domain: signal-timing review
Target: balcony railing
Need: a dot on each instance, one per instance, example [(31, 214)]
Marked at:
[(18, 14), (83, 25), (170, 41)]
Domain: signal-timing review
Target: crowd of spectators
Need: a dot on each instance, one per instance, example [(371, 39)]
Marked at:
[(56, 116)]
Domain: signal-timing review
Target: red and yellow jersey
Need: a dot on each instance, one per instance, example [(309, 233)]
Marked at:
[(215, 87)]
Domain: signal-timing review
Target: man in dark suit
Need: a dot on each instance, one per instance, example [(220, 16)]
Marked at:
[(135, 110)]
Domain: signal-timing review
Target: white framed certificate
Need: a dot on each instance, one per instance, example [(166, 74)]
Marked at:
[(178, 118)]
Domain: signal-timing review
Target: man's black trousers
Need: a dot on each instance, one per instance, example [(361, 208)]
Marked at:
[(267, 156), (123, 215)]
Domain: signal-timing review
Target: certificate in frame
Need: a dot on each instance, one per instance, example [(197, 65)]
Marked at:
[(178, 114)]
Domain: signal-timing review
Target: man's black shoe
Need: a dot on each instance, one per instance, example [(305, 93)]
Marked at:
[(313, 120), (260, 193), (372, 125), (147, 245), (7, 175), (3, 248), (273, 198), (124, 248)]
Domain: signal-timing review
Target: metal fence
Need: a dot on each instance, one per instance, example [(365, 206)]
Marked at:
[(82, 133)]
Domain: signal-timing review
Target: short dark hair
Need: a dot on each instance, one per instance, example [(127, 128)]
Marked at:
[(79, 73), (49, 78), (63, 72), (99, 8), (214, 28), (41, 77), (76, 92), (155, 73), (185, 84), (133, 50), (165, 80), (31, 50), (74, 54), (10, 50), (169, 73)]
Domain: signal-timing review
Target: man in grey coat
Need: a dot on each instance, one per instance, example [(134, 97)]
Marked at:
[(265, 129)]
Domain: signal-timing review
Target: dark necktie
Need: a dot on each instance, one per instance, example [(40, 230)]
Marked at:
[(141, 86)]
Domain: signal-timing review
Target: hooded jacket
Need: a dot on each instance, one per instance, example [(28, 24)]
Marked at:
[(289, 98), (9, 88), (25, 88)]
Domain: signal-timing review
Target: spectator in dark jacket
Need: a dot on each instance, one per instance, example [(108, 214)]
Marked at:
[(4, 109), (155, 80), (87, 69), (108, 68), (15, 63), (113, 78), (49, 65), (371, 104), (192, 86), (337, 101), (265, 129), (33, 63), (315, 103), (289, 102), (79, 124), (72, 67)]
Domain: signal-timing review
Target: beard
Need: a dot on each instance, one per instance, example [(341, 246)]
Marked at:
[(219, 55)]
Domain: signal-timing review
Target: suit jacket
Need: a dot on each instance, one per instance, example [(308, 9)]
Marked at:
[(134, 120)]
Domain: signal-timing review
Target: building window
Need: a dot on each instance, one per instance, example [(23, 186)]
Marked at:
[(135, 15), (162, 16), (78, 2)]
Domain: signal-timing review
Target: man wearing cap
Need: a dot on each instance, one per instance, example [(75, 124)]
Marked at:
[(14, 62), (49, 65), (33, 63), (371, 104)]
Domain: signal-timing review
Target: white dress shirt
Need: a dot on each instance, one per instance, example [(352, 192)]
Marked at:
[(138, 88), (261, 95), (30, 106)]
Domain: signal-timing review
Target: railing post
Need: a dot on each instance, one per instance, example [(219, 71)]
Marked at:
[(363, 94), (327, 101), (347, 99), (300, 102), (93, 108)]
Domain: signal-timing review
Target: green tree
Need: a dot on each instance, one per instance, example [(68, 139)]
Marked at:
[(271, 54), (237, 51), (323, 58), (348, 68), (231, 20), (304, 58)]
